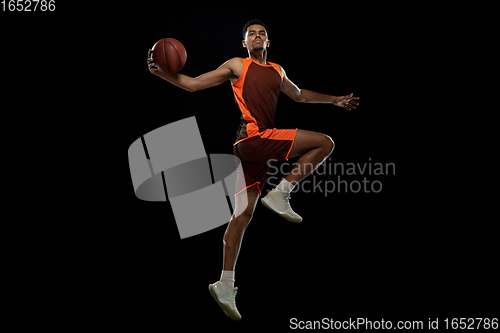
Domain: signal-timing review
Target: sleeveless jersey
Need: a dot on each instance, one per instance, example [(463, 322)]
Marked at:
[(256, 92)]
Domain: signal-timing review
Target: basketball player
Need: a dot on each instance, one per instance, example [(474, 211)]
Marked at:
[(256, 85)]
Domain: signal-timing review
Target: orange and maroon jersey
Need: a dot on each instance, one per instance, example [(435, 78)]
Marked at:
[(256, 92)]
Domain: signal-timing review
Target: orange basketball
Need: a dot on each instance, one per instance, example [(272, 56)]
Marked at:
[(169, 55)]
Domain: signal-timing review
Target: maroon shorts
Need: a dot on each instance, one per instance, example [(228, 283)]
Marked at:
[(255, 152)]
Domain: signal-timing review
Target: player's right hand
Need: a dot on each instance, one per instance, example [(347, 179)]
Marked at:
[(151, 65), (346, 102)]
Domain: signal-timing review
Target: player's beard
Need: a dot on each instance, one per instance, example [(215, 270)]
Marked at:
[(258, 47)]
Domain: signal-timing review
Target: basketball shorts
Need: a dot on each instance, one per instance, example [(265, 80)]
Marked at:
[(255, 153)]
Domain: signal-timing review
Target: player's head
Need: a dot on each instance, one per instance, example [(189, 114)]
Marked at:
[(255, 35)]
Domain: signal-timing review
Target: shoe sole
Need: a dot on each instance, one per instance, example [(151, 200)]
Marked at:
[(270, 206), (225, 307)]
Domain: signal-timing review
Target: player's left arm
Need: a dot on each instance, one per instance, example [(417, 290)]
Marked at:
[(307, 96)]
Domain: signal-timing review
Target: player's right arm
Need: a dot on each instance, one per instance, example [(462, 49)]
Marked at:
[(223, 73)]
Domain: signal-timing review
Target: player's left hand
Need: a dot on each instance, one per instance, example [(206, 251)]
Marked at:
[(346, 102)]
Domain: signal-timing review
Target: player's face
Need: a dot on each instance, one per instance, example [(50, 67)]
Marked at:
[(256, 38)]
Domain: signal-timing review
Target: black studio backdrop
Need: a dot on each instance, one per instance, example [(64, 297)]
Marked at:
[(423, 247), (394, 254)]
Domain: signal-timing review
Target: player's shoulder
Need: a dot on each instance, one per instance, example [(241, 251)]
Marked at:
[(233, 62), (276, 64), (236, 64), (277, 67)]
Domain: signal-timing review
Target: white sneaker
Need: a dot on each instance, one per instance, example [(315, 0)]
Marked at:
[(279, 203), (224, 295)]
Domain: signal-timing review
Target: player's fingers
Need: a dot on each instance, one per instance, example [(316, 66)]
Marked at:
[(353, 102)]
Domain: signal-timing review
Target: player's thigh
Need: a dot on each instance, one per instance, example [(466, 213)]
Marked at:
[(246, 201), (308, 140)]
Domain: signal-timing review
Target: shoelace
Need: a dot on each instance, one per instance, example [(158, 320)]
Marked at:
[(287, 200)]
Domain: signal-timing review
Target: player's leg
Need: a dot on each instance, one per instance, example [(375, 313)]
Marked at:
[(313, 148), (244, 208), (223, 291)]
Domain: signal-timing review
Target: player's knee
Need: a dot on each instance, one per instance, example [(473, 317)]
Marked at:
[(244, 218), (328, 144)]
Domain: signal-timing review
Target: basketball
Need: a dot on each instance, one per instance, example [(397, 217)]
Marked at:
[(169, 55)]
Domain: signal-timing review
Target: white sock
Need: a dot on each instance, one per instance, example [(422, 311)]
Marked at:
[(285, 186), (228, 278)]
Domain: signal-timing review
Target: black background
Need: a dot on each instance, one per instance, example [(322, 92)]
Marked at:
[(421, 248), (402, 253)]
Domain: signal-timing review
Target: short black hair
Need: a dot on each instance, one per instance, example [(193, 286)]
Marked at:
[(252, 22)]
